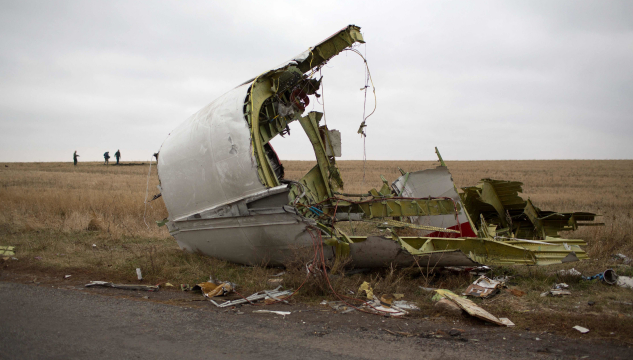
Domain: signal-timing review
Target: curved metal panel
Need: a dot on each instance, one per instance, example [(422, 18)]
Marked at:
[(207, 161)]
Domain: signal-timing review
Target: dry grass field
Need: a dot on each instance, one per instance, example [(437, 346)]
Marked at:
[(91, 221)]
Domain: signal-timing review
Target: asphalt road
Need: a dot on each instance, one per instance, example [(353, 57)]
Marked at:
[(44, 322)]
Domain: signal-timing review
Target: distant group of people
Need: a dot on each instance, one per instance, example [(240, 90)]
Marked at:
[(106, 156)]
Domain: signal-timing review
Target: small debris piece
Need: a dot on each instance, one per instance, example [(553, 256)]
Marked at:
[(428, 289), (591, 303), (402, 304), (516, 292), (339, 306), (377, 308), (569, 272), (506, 322), (470, 307), (367, 289), (271, 299), (484, 287), (124, 286), (7, 250), (169, 285), (185, 287), (279, 274), (282, 313), (581, 329), (275, 281), (625, 282), (557, 290), (67, 276), (139, 275), (262, 295), (210, 289)]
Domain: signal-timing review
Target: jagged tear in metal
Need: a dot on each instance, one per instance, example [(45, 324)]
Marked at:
[(225, 191)]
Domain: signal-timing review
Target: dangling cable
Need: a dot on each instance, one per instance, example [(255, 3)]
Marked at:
[(361, 129)]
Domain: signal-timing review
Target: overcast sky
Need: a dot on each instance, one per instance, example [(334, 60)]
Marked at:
[(479, 79)]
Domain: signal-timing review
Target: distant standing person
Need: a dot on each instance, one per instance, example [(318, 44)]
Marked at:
[(106, 156), (75, 156), (117, 155)]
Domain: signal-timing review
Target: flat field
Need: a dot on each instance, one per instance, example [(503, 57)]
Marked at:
[(90, 220)]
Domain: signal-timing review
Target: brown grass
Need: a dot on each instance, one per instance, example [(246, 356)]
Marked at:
[(56, 212)]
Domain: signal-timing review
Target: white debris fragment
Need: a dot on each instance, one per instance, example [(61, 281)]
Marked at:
[(139, 275), (582, 330), (282, 313), (570, 272), (625, 282)]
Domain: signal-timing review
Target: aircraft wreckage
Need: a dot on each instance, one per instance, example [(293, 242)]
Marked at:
[(224, 188)]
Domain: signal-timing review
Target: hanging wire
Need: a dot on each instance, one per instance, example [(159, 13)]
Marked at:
[(361, 130)]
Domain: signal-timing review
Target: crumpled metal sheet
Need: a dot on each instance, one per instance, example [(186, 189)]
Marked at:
[(436, 182)]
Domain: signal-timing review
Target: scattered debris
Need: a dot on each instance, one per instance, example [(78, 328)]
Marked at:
[(275, 281), (123, 286), (625, 282), (427, 289), (516, 292), (260, 295), (139, 275), (169, 285), (570, 272), (470, 307), (282, 313), (484, 287), (185, 287), (582, 330), (506, 322), (608, 276), (591, 303), (67, 276)]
